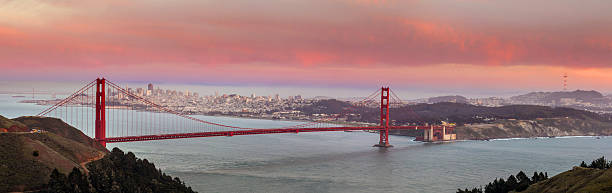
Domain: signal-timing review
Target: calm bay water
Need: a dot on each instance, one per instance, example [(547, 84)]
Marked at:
[(346, 161)]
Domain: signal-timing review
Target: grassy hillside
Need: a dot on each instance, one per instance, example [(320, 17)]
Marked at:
[(60, 128), (11, 125), (578, 179), (27, 159), (594, 177)]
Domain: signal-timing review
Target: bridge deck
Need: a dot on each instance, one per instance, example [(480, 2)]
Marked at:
[(254, 132)]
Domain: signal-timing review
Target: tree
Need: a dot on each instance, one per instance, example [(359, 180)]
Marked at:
[(78, 181), (519, 183), (523, 181), (522, 177), (496, 186), (117, 172), (584, 165), (535, 178), (474, 190), (511, 183), (58, 183), (600, 163)]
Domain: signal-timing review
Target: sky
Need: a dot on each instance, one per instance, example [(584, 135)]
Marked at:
[(472, 47)]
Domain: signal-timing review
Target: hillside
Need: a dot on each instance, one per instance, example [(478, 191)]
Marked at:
[(7, 125), (453, 112), (480, 122), (556, 97), (453, 99), (594, 177), (27, 159), (541, 127), (578, 179)]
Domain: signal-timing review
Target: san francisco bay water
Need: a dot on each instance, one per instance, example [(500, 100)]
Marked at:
[(346, 161)]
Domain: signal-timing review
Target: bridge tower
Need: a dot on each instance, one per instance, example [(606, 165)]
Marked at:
[(100, 111), (384, 118)]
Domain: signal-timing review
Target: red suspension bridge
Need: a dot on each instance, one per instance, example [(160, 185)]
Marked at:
[(113, 114)]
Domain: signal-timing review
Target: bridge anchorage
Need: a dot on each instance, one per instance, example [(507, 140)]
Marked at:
[(113, 114)]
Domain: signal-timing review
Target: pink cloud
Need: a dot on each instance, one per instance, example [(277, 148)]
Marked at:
[(189, 41)]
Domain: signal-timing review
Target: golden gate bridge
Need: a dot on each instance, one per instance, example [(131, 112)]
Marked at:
[(115, 115)]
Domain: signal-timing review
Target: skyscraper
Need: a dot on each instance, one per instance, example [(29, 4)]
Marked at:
[(150, 87)]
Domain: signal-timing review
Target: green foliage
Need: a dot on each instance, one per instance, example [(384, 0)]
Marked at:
[(78, 181), (58, 183), (599, 163), (519, 183), (523, 181), (116, 173), (584, 165), (473, 190)]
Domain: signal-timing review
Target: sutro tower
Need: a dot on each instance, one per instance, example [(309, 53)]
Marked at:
[(564, 81)]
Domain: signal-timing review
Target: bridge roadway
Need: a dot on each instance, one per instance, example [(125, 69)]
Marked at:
[(254, 132)]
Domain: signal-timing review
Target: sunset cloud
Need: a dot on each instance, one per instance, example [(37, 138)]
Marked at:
[(186, 39)]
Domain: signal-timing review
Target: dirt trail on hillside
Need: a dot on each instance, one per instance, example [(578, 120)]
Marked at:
[(84, 164)]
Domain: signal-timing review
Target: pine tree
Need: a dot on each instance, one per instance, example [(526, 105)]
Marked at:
[(474, 190), (523, 181), (535, 178), (599, 163), (511, 183), (78, 181), (522, 177), (584, 165), (58, 183), (118, 172)]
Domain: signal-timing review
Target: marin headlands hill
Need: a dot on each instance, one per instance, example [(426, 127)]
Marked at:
[(316, 96)]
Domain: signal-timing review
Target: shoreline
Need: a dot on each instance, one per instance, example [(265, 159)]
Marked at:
[(551, 137)]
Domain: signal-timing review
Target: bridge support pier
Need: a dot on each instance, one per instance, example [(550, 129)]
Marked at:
[(100, 132), (384, 119)]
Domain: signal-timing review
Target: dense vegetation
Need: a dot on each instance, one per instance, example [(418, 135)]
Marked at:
[(519, 183), (454, 112), (599, 163), (117, 172)]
